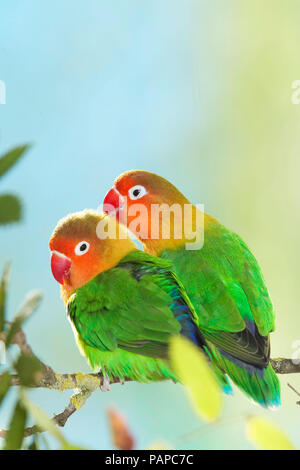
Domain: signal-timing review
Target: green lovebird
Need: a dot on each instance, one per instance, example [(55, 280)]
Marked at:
[(222, 278), (124, 305)]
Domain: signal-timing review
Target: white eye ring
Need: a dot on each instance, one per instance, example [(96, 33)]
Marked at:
[(136, 192), (82, 248)]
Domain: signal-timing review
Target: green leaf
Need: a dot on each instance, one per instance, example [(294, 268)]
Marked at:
[(3, 289), (42, 420), (29, 370), (5, 381), (266, 436), (15, 434), (193, 370), (10, 209), (30, 304), (8, 160)]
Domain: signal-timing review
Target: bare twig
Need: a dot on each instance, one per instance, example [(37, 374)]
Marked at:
[(296, 391)]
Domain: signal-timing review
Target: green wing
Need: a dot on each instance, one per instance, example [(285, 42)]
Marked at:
[(226, 287), (133, 306)]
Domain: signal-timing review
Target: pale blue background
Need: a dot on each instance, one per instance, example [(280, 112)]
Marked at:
[(99, 87)]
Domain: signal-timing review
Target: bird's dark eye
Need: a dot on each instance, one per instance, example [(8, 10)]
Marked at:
[(137, 191), (82, 248)]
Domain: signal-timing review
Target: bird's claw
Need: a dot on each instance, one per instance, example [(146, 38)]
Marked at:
[(105, 385), (122, 382)]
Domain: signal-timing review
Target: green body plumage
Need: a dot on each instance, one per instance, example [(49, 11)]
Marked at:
[(235, 313), (222, 278), (124, 317)]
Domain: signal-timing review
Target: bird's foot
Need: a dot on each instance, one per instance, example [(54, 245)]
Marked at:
[(122, 382), (105, 385)]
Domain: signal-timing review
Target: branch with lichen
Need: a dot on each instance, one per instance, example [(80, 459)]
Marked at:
[(85, 384)]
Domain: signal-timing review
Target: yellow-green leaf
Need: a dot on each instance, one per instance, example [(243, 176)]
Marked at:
[(160, 445), (70, 447), (193, 370), (266, 436), (120, 432)]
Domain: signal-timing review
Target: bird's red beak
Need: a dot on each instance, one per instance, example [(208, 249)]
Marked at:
[(113, 202), (60, 266)]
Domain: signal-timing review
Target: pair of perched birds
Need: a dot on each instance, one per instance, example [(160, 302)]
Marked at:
[(125, 304)]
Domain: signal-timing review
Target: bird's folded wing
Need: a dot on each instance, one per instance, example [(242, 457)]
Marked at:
[(254, 350), (116, 310)]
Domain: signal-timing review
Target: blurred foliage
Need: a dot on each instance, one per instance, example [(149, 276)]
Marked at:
[(160, 445), (8, 160), (26, 366), (16, 430), (28, 369), (192, 368), (10, 205), (10, 209), (266, 436), (121, 435), (188, 362)]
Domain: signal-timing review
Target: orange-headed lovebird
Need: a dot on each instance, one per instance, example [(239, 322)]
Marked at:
[(222, 278), (124, 304)]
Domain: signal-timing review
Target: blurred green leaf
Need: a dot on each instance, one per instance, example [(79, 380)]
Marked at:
[(8, 160), (43, 421), (192, 368), (29, 370), (10, 209), (30, 304), (160, 445), (3, 288), (15, 434), (266, 436), (69, 447), (5, 380)]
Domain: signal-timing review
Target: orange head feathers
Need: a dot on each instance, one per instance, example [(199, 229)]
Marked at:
[(78, 253), (145, 194), (143, 186)]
